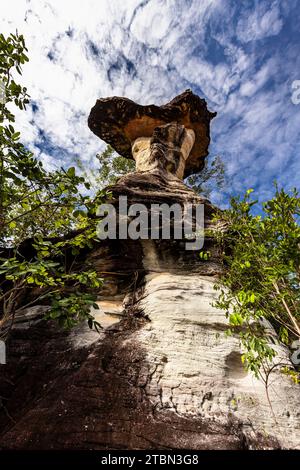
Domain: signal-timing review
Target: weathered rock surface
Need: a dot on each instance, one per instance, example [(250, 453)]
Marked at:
[(197, 369), (161, 374), (120, 121), (172, 381)]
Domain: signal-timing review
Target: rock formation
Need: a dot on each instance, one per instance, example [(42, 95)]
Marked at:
[(120, 121), (162, 374)]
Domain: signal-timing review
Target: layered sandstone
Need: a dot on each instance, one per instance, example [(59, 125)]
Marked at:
[(162, 374)]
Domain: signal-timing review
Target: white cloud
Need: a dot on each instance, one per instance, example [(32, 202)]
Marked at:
[(150, 51), (258, 80), (262, 22)]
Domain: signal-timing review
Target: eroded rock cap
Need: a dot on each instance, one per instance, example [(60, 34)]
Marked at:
[(120, 121)]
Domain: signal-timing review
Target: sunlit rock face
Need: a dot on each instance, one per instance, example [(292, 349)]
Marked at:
[(165, 152), (196, 370)]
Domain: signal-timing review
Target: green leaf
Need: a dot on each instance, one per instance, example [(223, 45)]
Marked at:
[(71, 172)]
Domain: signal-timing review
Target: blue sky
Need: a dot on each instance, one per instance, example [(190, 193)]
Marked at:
[(242, 57)]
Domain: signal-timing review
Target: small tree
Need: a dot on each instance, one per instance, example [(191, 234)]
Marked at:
[(112, 166), (261, 255), (43, 210), (212, 176)]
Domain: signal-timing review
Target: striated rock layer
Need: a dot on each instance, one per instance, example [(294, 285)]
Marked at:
[(162, 374), (197, 370)]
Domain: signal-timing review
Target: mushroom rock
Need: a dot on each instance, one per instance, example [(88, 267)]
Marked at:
[(162, 374), (177, 131)]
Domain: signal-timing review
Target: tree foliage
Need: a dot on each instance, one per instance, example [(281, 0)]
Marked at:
[(262, 277), (211, 177), (112, 166), (50, 209)]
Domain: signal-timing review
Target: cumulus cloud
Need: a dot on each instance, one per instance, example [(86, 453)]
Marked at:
[(241, 58)]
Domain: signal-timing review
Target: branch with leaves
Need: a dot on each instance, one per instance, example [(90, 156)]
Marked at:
[(51, 209), (261, 280)]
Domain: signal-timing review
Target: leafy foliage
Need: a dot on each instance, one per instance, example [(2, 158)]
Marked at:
[(51, 209), (212, 176), (262, 278), (112, 166)]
